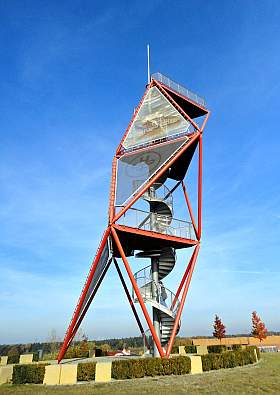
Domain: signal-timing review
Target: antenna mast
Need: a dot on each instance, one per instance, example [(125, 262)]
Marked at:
[(148, 57)]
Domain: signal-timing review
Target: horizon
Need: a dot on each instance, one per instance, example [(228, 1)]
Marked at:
[(270, 333), (73, 73)]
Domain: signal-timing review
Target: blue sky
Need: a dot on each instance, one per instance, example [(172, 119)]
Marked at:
[(71, 74)]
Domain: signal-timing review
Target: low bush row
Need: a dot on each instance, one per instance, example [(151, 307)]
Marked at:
[(14, 358), (229, 359), (86, 371), (191, 349), (216, 349), (23, 374), (135, 368), (236, 347)]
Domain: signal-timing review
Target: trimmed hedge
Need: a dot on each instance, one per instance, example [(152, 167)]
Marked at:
[(136, 368), (86, 371), (14, 358), (228, 359), (191, 349), (35, 357), (236, 347), (23, 374), (216, 349), (175, 350)]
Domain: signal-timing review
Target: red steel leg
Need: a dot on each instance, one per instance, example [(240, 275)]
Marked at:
[(131, 303), (178, 317), (199, 188), (190, 209), (138, 294), (65, 344)]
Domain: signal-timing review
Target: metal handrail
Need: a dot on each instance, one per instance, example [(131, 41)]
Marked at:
[(144, 269), (166, 224), (160, 192), (191, 129), (179, 88), (164, 297)]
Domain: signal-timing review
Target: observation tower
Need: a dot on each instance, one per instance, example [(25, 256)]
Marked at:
[(150, 164)]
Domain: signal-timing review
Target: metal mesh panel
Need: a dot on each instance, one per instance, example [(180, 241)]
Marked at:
[(102, 263), (137, 168), (157, 118)]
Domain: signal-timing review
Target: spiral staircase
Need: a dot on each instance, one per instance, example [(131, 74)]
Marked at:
[(160, 298)]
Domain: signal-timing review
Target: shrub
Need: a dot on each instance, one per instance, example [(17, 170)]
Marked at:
[(175, 350), (35, 357), (13, 354), (217, 349), (14, 358), (191, 349), (153, 367), (180, 365), (135, 368), (228, 359), (128, 369), (236, 347), (251, 352), (86, 371), (76, 352), (211, 361), (28, 374)]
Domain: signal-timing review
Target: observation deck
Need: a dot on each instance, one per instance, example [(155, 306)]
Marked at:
[(157, 228), (192, 103)]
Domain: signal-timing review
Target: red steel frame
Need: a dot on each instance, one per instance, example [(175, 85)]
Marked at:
[(113, 228)]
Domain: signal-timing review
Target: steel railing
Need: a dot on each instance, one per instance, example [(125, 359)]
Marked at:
[(179, 88), (190, 130), (159, 192), (163, 296), (158, 223)]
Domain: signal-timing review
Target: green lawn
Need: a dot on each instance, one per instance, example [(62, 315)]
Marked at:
[(261, 378)]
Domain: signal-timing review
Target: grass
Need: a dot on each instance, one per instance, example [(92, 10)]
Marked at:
[(260, 378)]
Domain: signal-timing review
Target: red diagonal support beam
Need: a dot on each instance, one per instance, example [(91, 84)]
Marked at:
[(190, 209), (137, 292), (199, 205), (131, 303), (204, 121), (182, 302), (173, 102), (69, 332)]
